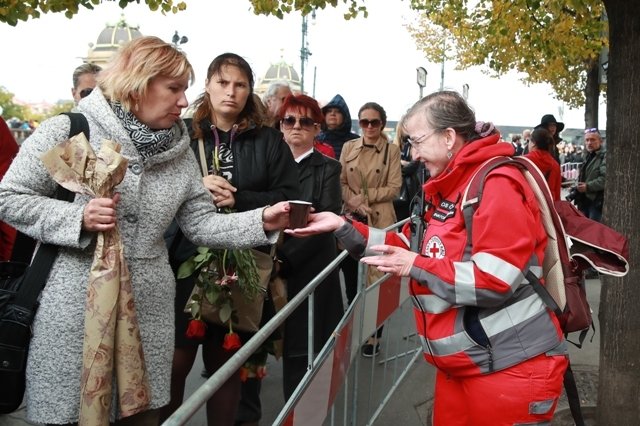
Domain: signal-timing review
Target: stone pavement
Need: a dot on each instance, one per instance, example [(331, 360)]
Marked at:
[(411, 404)]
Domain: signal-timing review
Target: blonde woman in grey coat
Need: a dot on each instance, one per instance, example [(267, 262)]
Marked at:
[(137, 103)]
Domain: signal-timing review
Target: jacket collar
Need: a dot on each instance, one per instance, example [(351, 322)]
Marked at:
[(359, 146), (466, 162)]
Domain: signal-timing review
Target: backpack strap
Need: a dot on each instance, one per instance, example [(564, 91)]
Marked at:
[(78, 124)]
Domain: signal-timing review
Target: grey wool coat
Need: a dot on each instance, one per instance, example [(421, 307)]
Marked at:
[(167, 185)]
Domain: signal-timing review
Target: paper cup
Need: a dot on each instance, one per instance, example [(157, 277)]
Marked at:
[(299, 213)]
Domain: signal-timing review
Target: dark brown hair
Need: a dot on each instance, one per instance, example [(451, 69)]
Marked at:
[(250, 112)]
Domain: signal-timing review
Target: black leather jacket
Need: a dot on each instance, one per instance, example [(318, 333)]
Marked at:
[(264, 172)]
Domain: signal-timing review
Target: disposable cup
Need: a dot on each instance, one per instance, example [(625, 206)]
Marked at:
[(299, 213)]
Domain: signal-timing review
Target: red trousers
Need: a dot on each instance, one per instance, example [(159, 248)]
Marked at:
[(526, 393)]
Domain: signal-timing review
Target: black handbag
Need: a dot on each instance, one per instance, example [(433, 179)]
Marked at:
[(20, 287)]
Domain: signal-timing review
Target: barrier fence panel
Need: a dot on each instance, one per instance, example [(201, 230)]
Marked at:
[(340, 387), (570, 173)]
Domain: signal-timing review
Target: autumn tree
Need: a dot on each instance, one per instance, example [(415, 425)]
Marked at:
[(9, 108), (553, 41)]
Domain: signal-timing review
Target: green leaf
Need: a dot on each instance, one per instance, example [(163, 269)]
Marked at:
[(187, 269), (225, 313)]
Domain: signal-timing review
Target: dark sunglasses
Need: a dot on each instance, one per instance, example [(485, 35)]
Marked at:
[(85, 92), (289, 121), (364, 123), (592, 130)]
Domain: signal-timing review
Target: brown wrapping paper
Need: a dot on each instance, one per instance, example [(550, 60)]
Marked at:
[(112, 343)]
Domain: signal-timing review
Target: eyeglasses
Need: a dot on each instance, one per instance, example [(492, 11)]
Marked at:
[(592, 130), (414, 142), (85, 92), (375, 123), (305, 122)]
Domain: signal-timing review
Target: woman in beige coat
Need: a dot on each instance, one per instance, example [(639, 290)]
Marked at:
[(371, 179)]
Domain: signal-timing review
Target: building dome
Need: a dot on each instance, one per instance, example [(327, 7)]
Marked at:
[(280, 71), (109, 41)]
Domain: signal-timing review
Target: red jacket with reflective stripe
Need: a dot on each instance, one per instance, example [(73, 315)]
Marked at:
[(475, 311)]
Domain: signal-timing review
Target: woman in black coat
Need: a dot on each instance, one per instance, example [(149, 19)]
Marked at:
[(302, 259), (248, 165)]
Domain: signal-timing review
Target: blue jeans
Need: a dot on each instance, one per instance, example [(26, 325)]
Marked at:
[(592, 210)]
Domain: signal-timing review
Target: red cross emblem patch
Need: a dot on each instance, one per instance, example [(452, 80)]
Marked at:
[(434, 248)]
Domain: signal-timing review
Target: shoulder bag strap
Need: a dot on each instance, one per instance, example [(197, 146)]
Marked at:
[(203, 158)]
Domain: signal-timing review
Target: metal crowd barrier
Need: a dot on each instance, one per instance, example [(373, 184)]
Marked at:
[(340, 386), (569, 173)]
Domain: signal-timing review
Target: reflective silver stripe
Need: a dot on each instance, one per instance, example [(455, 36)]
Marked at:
[(537, 271), (512, 315), (499, 268), (431, 303), (376, 237), (465, 286), (506, 318), (541, 407), (449, 345)]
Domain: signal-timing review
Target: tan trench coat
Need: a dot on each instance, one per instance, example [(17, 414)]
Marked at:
[(380, 167)]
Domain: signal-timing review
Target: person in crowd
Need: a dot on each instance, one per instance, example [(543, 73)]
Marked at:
[(411, 175), (592, 176), (492, 339), (301, 259), (549, 122), (572, 155), (336, 129), (137, 103), (8, 150), (516, 141), (540, 153), (274, 97), (371, 178), (254, 168), (84, 80)]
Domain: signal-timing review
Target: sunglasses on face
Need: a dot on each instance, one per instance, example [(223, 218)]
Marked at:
[(375, 123), (289, 122), (85, 92)]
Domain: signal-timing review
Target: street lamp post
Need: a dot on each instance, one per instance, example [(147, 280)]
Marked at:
[(304, 50), (465, 91), (421, 78)]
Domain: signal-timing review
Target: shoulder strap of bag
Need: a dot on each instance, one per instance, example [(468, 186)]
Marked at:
[(37, 273), (203, 158)]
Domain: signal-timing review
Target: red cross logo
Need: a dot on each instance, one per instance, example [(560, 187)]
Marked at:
[(434, 248)]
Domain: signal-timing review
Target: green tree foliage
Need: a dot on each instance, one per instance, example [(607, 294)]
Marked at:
[(12, 11), (60, 107), (280, 8), (553, 41), (9, 108)]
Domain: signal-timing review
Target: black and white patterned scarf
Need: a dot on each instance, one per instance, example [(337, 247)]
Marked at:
[(148, 142)]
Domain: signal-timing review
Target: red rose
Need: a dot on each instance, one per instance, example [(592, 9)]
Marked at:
[(196, 329), (261, 372), (231, 341)]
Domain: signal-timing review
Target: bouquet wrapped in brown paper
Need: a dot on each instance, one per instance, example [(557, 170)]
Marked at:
[(111, 334)]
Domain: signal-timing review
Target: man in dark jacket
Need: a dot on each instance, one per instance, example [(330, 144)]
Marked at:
[(592, 176), (336, 129)]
